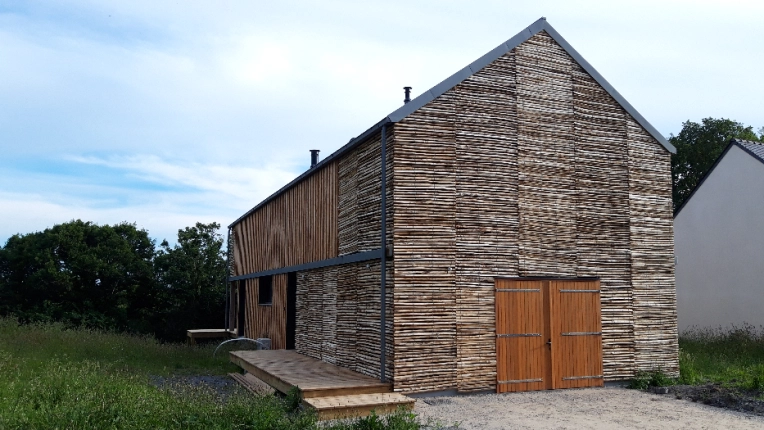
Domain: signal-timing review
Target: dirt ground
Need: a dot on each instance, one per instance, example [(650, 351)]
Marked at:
[(591, 408)]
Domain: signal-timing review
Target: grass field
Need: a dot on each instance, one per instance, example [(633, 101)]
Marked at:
[(734, 357), (51, 377)]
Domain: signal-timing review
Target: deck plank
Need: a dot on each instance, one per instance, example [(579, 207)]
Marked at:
[(284, 369), (334, 407)]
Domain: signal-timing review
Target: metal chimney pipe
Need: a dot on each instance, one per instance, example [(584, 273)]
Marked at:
[(314, 157), (407, 90)]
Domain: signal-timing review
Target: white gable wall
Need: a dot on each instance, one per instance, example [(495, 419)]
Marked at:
[(719, 240)]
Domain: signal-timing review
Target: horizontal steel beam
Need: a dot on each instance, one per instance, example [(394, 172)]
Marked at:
[(336, 261)]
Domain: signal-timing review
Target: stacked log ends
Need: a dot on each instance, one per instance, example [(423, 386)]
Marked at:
[(527, 168), (338, 318)]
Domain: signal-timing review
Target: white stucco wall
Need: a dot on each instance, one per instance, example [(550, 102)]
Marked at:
[(719, 240)]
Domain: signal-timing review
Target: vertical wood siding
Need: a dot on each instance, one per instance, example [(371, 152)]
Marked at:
[(267, 320), (522, 308), (297, 227), (338, 313), (575, 326), (527, 168)]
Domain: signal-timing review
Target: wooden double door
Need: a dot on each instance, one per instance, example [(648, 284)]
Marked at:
[(548, 334)]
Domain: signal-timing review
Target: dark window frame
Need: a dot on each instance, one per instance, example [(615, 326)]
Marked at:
[(265, 291)]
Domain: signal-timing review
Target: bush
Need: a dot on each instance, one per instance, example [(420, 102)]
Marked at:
[(645, 380), (113, 278)]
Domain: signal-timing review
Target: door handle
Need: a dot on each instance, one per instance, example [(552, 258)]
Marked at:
[(549, 342)]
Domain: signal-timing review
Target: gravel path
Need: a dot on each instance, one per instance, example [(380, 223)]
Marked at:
[(591, 408)]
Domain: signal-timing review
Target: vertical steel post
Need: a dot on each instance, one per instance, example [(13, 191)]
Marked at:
[(227, 300), (383, 257)]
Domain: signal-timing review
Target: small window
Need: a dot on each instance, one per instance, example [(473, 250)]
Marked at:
[(265, 290)]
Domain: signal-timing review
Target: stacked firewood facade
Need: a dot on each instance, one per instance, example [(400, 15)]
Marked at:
[(526, 168)]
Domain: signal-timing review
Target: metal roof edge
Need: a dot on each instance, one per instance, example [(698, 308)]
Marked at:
[(609, 88), (334, 155), (399, 114), (731, 143), (540, 25), (467, 71), (739, 143)]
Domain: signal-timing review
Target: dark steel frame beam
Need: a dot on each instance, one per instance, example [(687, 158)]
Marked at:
[(336, 261), (382, 258)]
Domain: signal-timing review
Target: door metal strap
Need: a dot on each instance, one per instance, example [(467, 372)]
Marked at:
[(518, 290), (520, 335), (520, 381), (582, 333), (573, 378), (579, 291)]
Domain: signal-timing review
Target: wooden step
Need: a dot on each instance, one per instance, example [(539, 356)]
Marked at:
[(251, 383), (284, 369), (358, 405)]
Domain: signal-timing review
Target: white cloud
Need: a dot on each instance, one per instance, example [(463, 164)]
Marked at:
[(238, 183), (200, 109)]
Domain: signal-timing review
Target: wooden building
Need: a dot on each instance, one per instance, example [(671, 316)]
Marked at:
[(527, 230)]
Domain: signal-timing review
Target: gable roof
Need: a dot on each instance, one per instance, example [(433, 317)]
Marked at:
[(450, 82), (754, 149)]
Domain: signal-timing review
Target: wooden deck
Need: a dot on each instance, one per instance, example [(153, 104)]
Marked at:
[(335, 392)]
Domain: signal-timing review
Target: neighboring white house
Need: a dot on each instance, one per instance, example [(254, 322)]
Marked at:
[(719, 240)]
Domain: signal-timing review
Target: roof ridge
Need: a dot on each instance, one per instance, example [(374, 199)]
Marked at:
[(538, 26), (402, 112), (755, 142), (740, 143), (753, 148)]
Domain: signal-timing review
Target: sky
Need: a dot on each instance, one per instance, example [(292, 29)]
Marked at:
[(168, 113)]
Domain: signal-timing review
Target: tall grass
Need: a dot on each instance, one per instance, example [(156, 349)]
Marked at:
[(38, 343), (51, 377), (733, 356)]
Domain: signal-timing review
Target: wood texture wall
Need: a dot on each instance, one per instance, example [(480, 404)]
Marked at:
[(338, 316), (338, 312), (359, 196), (299, 226), (267, 320), (652, 239), (527, 168)]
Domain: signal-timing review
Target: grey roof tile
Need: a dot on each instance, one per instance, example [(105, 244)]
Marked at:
[(755, 148)]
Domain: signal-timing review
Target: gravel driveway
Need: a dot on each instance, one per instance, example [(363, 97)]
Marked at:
[(591, 408)]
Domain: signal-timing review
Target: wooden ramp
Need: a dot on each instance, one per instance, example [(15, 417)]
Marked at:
[(335, 392)]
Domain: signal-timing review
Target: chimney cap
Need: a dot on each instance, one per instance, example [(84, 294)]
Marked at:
[(314, 157), (407, 92)]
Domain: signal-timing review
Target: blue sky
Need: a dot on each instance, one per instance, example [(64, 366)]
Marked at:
[(167, 113)]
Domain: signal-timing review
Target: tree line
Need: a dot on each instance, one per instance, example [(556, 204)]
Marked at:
[(113, 277), (698, 145), (116, 278)]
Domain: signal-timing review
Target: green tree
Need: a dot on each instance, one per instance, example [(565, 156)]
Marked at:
[(191, 277), (697, 147), (80, 273)]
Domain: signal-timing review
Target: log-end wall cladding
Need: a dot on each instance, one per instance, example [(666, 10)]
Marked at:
[(527, 168)]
